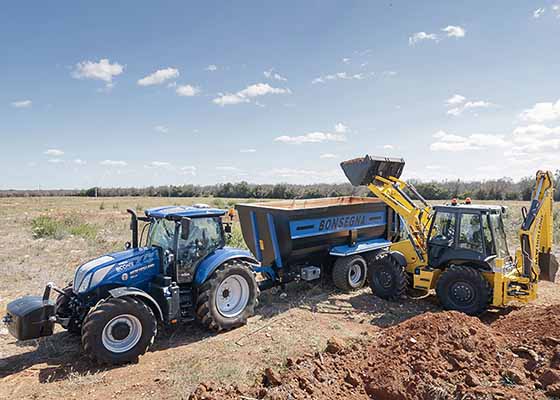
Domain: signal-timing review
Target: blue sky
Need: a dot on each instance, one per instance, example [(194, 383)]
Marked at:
[(131, 93)]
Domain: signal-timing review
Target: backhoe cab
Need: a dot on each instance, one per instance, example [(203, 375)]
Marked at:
[(460, 250)]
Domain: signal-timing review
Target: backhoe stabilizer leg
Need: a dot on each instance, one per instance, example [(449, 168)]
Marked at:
[(548, 266)]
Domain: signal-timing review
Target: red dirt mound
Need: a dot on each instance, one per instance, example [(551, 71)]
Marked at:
[(444, 355)]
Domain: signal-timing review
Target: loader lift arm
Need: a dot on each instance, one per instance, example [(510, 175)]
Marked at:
[(381, 175), (534, 258)]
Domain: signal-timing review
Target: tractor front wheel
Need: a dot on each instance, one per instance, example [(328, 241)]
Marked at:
[(118, 330), (228, 298), (349, 273), (387, 278), (463, 288)]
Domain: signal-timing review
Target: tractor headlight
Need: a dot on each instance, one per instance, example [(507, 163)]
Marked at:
[(85, 284), (99, 275)]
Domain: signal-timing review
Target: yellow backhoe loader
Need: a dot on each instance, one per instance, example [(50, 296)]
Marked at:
[(460, 250)]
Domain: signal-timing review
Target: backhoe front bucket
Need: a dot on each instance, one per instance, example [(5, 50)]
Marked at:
[(548, 266), (363, 170)]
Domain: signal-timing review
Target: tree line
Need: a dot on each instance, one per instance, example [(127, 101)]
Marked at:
[(498, 189)]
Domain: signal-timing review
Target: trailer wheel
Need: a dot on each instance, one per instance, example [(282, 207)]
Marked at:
[(118, 330), (228, 298), (349, 273), (463, 288), (387, 278), (63, 310)]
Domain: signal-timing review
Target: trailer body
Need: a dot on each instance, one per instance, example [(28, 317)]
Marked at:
[(298, 239)]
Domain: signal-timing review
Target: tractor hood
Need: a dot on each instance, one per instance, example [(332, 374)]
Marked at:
[(125, 268)]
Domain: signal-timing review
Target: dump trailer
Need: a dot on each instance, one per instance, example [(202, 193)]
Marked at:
[(306, 239)]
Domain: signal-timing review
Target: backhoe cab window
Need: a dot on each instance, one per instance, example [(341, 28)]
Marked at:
[(499, 235), (443, 228), (470, 233)]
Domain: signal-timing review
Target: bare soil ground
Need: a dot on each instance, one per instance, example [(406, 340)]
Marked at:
[(288, 334)]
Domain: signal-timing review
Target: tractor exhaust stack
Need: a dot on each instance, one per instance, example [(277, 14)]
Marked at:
[(363, 170), (133, 227)]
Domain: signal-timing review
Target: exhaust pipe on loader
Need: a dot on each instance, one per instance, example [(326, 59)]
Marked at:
[(362, 171)]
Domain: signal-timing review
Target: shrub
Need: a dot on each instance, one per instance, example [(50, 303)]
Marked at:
[(46, 227), (86, 231), (235, 239)]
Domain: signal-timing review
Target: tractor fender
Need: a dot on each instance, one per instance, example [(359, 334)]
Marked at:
[(217, 258), (399, 257), (135, 292)]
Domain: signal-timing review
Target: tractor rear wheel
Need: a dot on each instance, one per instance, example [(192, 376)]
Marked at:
[(387, 278), (349, 273), (463, 288), (118, 330), (228, 298)]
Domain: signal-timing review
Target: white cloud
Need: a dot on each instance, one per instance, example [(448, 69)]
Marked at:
[(22, 104), (55, 160), (455, 143), (312, 137), (78, 161), (328, 155), (327, 175), (388, 147), (211, 68), (159, 164), (542, 112), (454, 31), (248, 151), (389, 73), (271, 74), (538, 12), (340, 128), (459, 104), (338, 76), (114, 163), (188, 170), (102, 70), (161, 129), (187, 90), (251, 91), (227, 168), (159, 77), (535, 139), (346, 60), (421, 36), (54, 152), (455, 100)]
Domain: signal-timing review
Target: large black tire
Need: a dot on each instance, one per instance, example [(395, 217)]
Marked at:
[(387, 278), (63, 310), (463, 288), (349, 273), (219, 307), (118, 330)]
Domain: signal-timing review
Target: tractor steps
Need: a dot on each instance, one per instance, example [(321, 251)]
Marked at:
[(186, 303)]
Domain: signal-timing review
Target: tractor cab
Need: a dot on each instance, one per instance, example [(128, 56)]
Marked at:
[(466, 233), (185, 236)]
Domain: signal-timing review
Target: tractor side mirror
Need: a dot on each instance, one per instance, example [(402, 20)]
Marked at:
[(185, 228), (227, 228)]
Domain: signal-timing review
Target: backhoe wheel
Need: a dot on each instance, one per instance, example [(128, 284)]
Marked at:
[(463, 288), (387, 278), (63, 310), (118, 330), (349, 273), (228, 297)]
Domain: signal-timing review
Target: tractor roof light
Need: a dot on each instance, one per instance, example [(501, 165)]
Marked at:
[(454, 201), (468, 200)]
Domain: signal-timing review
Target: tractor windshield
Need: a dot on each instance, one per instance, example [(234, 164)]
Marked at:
[(162, 233), (499, 235)]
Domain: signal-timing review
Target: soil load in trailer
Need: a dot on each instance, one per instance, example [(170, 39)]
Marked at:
[(288, 236)]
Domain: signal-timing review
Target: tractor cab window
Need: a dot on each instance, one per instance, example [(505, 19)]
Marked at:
[(499, 235), (443, 227), (162, 234), (205, 236), (470, 233)]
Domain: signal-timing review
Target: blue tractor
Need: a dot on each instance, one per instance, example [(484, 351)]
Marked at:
[(181, 272)]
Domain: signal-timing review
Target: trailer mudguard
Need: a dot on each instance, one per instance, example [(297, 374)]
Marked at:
[(217, 258), (134, 292)]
